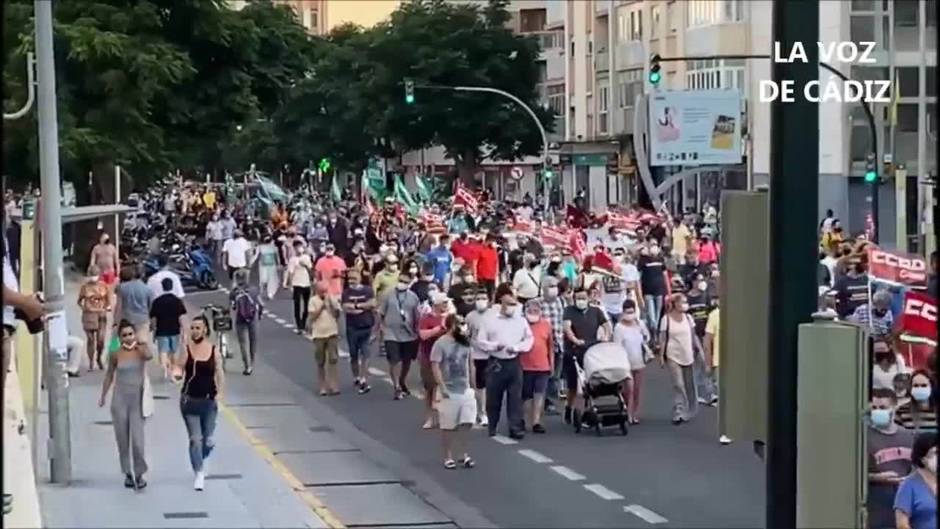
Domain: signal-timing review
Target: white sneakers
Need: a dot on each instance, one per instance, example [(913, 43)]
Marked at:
[(484, 420), (724, 439), (200, 482)]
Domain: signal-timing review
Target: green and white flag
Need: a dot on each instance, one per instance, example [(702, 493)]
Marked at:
[(424, 192), (404, 196), (335, 190)]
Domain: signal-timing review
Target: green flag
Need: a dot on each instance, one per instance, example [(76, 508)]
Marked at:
[(335, 190), (424, 193), (404, 196)]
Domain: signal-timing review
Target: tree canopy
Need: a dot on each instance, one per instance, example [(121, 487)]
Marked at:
[(156, 85)]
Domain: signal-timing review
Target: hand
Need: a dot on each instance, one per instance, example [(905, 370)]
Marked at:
[(33, 308), (101, 400)]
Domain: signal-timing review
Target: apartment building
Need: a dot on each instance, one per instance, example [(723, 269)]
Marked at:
[(320, 16)]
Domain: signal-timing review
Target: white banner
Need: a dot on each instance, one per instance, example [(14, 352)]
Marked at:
[(695, 127)]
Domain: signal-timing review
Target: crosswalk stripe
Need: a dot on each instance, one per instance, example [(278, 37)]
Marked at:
[(504, 440), (647, 515), (567, 473), (535, 456), (376, 372), (603, 492)]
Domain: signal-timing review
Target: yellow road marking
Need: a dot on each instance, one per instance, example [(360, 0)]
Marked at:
[(308, 497)]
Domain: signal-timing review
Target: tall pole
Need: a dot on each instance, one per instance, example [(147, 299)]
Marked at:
[(51, 222), (794, 199)]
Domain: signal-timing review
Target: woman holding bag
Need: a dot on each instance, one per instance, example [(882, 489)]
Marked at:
[(126, 371), (199, 368)]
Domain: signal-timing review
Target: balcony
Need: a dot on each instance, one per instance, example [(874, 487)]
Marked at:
[(601, 60), (630, 54), (549, 40)]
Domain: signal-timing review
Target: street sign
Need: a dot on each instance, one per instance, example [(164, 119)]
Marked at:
[(593, 160), (516, 173)]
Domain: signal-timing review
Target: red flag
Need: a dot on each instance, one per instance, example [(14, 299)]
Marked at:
[(576, 242), (554, 237), (900, 269), (623, 222), (919, 316), (434, 223), (466, 197)]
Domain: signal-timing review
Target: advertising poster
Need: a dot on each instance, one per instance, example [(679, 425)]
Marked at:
[(695, 128)]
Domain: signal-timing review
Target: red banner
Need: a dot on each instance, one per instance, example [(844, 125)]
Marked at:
[(901, 269), (919, 316)]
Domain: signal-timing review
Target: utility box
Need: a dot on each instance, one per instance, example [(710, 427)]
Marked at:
[(744, 290), (832, 398)]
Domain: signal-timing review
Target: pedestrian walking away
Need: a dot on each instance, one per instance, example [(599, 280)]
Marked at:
[(200, 373), (247, 309), (167, 312), (126, 374)]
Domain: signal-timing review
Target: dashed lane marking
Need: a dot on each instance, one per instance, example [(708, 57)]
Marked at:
[(567, 473), (504, 440), (344, 354), (645, 514), (603, 492), (535, 456), (376, 372)]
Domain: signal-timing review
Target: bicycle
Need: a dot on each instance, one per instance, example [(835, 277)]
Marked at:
[(221, 321)]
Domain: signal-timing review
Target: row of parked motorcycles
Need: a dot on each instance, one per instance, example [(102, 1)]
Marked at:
[(151, 241)]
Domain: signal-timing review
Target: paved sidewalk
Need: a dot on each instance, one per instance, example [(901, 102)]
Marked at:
[(18, 476), (243, 488)]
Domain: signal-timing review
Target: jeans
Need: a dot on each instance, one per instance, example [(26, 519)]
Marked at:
[(200, 417), (247, 334), (504, 377), (654, 311), (301, 300), (704, 383), (358, 342)]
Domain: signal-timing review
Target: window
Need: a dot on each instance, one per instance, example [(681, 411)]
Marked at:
[(863, 5), (636, 25), (532, 20), (714, 74), (655, 15), (556, 98), (314, 20), (706, 12), (602, 105), (629, 85), (862, 28), (931, 81), (905, 13), (905, 79), (907, 117)]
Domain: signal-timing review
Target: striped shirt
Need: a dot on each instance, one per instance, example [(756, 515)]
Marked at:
[(916, 419), (880, 326)]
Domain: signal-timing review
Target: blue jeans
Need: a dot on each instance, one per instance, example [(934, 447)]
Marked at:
[(654, 311), (200, 417)]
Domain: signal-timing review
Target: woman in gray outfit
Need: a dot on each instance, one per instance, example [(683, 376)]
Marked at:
[(126, 371)]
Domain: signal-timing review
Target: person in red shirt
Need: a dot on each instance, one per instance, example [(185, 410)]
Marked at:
[(537, 365), (463, 248), (431, 326), (488, 266)]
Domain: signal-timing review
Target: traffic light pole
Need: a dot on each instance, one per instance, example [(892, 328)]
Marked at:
[(545, 160), (873, 190)]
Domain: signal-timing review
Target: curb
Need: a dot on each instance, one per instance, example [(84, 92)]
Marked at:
[(308, 497)]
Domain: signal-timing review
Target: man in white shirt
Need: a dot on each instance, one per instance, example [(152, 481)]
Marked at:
[(215, 235), (155, 283), (503, 335), (236, 253)]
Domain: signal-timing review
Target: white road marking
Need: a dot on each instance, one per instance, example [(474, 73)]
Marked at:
[(376, 372), (504, 440), (567, 473), (418, 394), (603, 492), (535, 456), (344, 354), (647, 515), (279, 320)]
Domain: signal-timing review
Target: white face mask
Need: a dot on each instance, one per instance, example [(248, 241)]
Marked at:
[(553, 292), (702, 285), (481, 305), (684, 307), (533, 318), (581, 303), (629, 316)]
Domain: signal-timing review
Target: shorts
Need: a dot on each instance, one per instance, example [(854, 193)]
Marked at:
[(479, 373), (534, 383), (109, 278), (326, 350), (569, 369), (427, 376), (397, 352), (94, 321), (358, 342), (168, 344), (457, 410)]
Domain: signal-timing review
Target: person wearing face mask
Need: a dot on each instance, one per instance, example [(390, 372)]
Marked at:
[(463, 292), (875, 316), (700, 306), (386, 278), (487, 271), (453, 370), (537, 366), (126, 373), (479, 357), (682, 235), (299, 277), (888, 364), (399, 315), (915, 503), (919, 414), (631, 334), (338, 233), (215, 236), (889, 458), (425, 282), (94, 298), (527, 279), (442, 259), (553, 310), (104, 257), (851, 290), (200, 371), (652, 269), (467, 250), (431, 326), (268, 280), (679, 346), (330, 269), (581, 325), (505, 335)]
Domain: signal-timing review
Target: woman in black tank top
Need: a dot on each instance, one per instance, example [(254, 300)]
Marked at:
[(201, 377)]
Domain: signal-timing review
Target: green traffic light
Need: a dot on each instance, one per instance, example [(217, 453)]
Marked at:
[(655, 77), (324, 165), (409, 99), (871, 176)]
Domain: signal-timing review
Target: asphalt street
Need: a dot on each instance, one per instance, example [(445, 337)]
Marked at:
[(660, 474)]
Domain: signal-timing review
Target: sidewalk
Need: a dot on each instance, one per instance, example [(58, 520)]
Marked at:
[(242, 489)]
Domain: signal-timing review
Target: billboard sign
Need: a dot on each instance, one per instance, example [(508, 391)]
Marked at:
[(695, 127)]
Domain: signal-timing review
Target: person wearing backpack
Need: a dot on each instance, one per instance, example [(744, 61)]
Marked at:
[(246, 304), (679, 346)]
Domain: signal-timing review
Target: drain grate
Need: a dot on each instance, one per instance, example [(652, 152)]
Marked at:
[(104, 423), (320, 429), (224, 476), (184, 515)]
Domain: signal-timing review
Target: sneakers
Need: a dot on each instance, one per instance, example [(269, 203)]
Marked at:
[(428, 425), (538, 428), (364, 388), (484, 420), (200, 482), (567, 414), (724, 439)]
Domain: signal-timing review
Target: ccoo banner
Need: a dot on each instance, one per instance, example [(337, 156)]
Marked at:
[(695, 127), (919, 316), (898, 269)]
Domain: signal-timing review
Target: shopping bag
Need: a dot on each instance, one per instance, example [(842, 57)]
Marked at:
[(146, 402)]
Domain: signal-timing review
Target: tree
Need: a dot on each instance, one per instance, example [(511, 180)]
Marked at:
[(440, 43)]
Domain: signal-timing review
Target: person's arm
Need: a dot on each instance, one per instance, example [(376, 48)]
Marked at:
[(569, 333), (108, 379), (901, 519), (219, 374), (30, 305), (426, 333), (607, 326)]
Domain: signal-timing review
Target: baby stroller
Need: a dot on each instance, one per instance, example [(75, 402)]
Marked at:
[(606, 369)]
